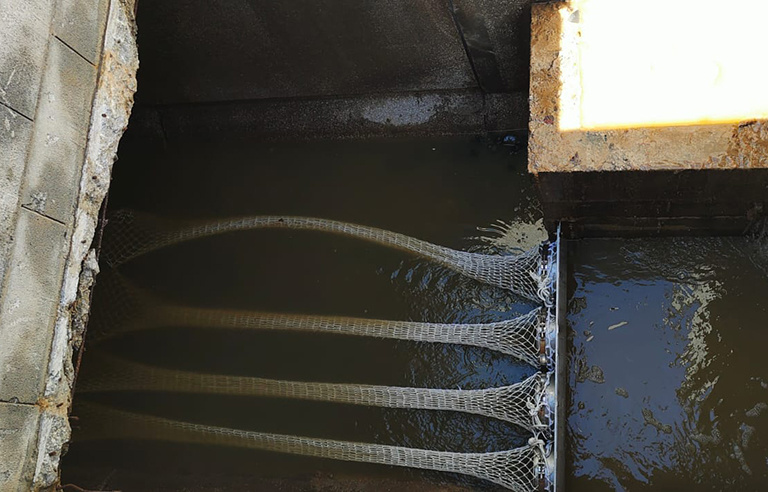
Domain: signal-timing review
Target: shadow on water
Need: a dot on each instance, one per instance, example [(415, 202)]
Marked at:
[(669, 381), (439, 190)]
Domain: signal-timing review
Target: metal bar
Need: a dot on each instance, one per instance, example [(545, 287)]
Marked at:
[(561, 383)]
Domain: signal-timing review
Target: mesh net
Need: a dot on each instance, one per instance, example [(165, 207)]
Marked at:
[(123, 308), (516, 469), (131, 234), (520, 403)]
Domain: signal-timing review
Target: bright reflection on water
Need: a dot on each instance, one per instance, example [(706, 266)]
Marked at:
[(439, 190), (669, 377)]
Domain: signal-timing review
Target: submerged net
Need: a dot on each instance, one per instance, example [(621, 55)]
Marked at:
[(128, 309), (521, 403), (516, 469), (131, 234)]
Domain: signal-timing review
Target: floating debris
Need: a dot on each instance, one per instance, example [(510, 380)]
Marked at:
[(653, 421), (747, 431), (617, 325), (581, 405), (622, 392), (739, 455), (590, 337), (594, 373), (700, 438), (757, 410)]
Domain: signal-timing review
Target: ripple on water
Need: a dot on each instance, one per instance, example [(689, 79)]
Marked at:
[(676, 328)]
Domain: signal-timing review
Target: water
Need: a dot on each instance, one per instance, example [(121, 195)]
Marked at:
[(666, 337), (439, 190), (668, 370)]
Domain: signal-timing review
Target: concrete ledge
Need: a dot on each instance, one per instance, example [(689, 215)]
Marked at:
[(356, 117), (67, 87), (59, 142), (29, 305), (740, 145), (24, 28), (15, 135), (80, 24), (58, 147), (108, 120), (670, 180)]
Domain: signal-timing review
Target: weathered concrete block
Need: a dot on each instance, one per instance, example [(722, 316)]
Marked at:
[(55, 161), (15, 135), (66, 92), (641, 180), (18, 436), (57, 150), (24, 28), (80, 24), (739, 145), (29, 303)]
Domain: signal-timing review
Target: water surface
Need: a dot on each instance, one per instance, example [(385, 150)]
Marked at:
[(668, 370), (437, 189)]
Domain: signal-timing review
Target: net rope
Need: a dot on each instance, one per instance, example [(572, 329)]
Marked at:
[(131, 234), (520, 403), (124, 308), (516, 469)]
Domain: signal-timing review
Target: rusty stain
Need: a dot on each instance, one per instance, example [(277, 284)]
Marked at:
[(53, 406)]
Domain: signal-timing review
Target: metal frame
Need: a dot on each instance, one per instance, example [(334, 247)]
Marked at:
[(553, 466), (561, 383)]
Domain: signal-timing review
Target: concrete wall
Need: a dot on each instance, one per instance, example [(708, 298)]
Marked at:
[(47, 79), (655, 203), (334, 68), (50, 62), (231, 50)]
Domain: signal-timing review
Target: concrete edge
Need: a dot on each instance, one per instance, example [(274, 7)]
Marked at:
[(352, 117), (110, 111)]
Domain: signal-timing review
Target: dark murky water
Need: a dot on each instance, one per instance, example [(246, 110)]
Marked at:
[(439, 190), (669, 375)]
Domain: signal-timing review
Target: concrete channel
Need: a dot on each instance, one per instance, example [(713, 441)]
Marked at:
[(321, 70)]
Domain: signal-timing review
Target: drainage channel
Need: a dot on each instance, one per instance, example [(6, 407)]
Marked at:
[(185, 366)]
